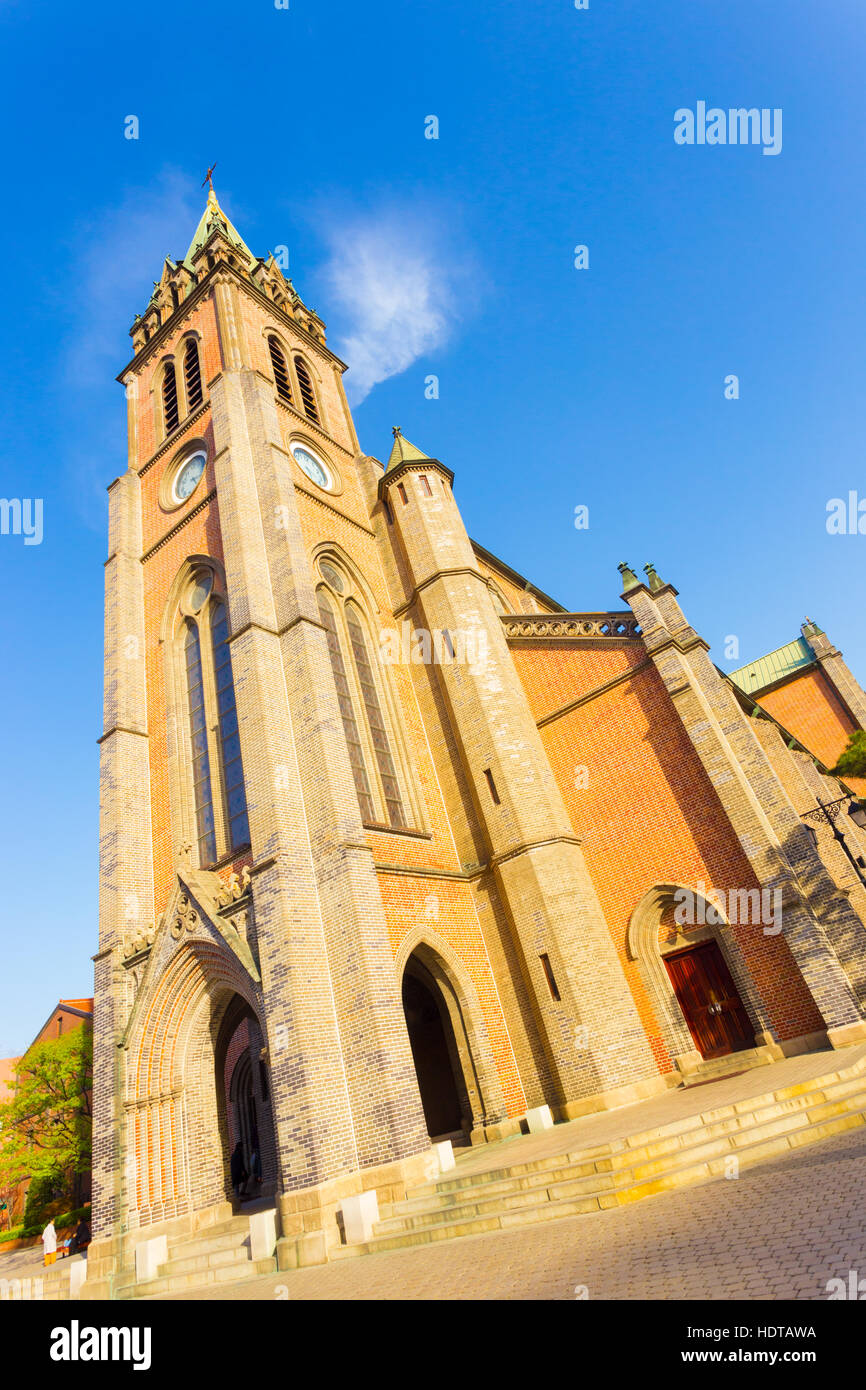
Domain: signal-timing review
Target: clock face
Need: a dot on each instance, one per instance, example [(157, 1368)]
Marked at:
[(314, 470), (187, 479)]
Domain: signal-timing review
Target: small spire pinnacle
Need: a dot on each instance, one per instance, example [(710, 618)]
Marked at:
[(654, 582), (629, 578), (403, 449)]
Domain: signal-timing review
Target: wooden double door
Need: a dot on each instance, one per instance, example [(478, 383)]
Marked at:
[(709, 1000)]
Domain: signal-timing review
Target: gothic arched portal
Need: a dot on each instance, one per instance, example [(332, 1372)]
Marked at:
[(444, 1064)]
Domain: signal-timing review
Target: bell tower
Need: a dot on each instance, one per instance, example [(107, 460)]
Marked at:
[(235, 875)]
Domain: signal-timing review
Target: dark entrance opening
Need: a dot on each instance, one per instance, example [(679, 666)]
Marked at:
[(708, 997), (436, 1057), (245, 1101)]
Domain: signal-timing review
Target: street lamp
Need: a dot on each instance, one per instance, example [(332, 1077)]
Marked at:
[(830, 812)]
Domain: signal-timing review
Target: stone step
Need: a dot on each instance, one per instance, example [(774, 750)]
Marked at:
[(665, 1138), (649, 1159), (203, 1277), (699, 1165)]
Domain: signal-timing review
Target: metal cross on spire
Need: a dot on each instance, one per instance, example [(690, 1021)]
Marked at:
[(208, 178)]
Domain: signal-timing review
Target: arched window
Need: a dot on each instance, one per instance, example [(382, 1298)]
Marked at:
[(198, 747), (169, 399), (281, 371), (305, 386), (219, 803), (344, 696), (234, 791), (375, 722), (192, 374), (361, 702)]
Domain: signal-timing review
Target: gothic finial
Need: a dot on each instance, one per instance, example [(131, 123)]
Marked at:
[(654, 582), (629, 578), (396, 431), (208, 178)]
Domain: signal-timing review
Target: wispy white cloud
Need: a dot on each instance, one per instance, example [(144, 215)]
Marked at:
[(115, 259), (396, 288)]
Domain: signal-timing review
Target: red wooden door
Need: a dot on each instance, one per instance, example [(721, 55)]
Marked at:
[(709, 1000)]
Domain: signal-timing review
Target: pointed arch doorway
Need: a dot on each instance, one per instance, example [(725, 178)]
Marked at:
[(439, 1055), (244, 1090)]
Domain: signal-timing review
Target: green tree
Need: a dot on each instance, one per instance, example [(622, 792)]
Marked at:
[(45, 1130), (852, 762)]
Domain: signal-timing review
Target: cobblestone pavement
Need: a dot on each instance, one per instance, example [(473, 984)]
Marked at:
[(780, 1231)]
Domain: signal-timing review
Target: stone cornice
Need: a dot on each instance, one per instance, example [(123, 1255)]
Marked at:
[(329, 507), (595, 693), (178, 526), (424, 871), (122, 729), (306, 423), (507, 854), (400, 470), (176, 437), (431, 579)]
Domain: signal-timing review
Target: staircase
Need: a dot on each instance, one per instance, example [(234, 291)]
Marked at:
[(220, 1255), (693, 1149)]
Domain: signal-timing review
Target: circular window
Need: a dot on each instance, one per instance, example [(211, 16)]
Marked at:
[(313, 466), (188, 477), (331, 576)]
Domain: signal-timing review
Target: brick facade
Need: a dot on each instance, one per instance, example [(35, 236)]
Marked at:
[(555, 781)]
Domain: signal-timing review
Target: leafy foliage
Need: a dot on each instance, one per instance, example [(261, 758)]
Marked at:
[(852, 762), (45, 1130)]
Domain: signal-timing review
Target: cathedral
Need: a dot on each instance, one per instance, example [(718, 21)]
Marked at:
[(397, 856)]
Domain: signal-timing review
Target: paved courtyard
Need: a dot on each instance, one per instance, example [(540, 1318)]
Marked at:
[(780, 1231)]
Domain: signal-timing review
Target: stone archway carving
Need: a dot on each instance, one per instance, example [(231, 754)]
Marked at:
[(175, 1161)]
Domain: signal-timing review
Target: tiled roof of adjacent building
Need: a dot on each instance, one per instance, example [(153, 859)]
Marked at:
[(84, 1006), (774, 667)]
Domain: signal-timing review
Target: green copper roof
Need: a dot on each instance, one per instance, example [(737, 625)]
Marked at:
[(402, 450), (213, 213), (767, 670)]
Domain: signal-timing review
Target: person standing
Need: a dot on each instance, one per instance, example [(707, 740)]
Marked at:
[(239, 1172), (49, 1244)]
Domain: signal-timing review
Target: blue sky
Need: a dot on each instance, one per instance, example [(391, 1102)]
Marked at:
[(454, 257)]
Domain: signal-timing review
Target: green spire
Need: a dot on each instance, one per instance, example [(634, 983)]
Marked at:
[(213, 216), (654, 582), (401, 450), (629, 578), (811, 629)]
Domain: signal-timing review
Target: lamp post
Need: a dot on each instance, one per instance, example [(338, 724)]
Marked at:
[(830, 812)]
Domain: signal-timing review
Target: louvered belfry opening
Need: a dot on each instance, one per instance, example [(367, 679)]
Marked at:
[(192, 374), (281, 371), (169, 399), (305, 386)]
